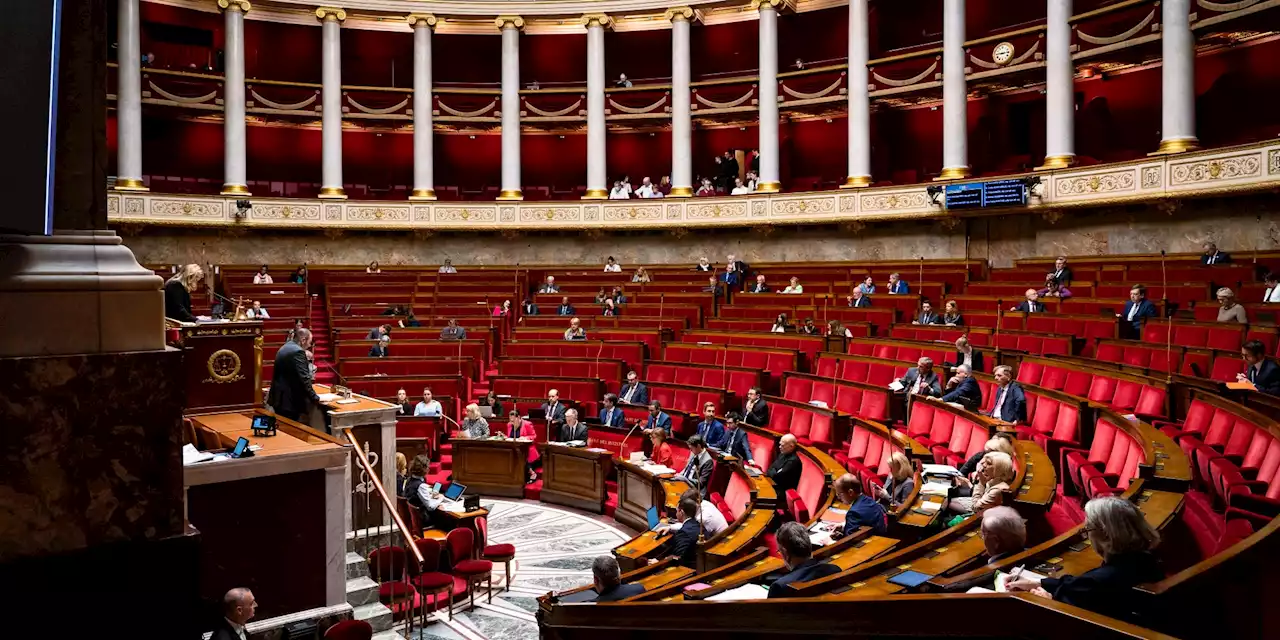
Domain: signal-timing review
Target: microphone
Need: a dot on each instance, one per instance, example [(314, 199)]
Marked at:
[(627, 437)]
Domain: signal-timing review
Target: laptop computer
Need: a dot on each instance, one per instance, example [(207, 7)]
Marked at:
[(538, 414), (455, 491), (652, 515), (486, 411)]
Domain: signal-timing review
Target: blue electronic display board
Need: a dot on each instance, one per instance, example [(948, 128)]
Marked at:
[(979, 195)]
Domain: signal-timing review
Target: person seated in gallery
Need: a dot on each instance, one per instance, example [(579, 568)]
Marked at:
[(705, 190), (1053, 289), (262, 277), (661, 452), (760, 285), (572, 430), (740, 188), (797, 555), (858, 299), (565, 308), (1002, 441), (697, 472), (404, 408), (735, 442), (1213, 256), (612, 266), (1262, 372), (963, 389), (951, 314), (731, 277), (549, 286), (711, 429), (658, 419), (1120, 533), (575, 331), (995, 472), (429, 406), (921, 380), (837, 328), (453, 332), (641, 276), (1004, 534), (473, 424), (377, 332), (373, 268), (867, 286), (1031, 304), (897, 286), (634, 391), (781, 324), (448, 267), (610, 308), (420, 495), (901, 481), (808, 328), (863, 510), (611, 415), (1011, 400), (755, 411), (380, 348), (529, 307), (1136, 311), (299, 276), (794, 286), (618, 296), (927, 315), (1272, 293), (786, 467), (608, 581), (1229, 310), (257, 312)]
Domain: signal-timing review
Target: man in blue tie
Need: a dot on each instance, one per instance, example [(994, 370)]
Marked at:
[(1263, 373), (1136, 312), (657, 419), (634, 391), (698, 472), (735, 441), (611, 415), (711, 430)]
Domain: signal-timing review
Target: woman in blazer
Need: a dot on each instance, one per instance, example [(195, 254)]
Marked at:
[(995, 472), (518, 427), (901, 480)]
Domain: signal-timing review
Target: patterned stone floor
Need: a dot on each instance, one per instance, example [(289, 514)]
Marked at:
[(554, 551)]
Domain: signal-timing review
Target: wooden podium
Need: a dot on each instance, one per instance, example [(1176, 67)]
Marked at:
[(223, 363), (491, 466), (575, 477)]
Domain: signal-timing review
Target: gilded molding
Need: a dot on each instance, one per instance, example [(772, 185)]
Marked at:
[(514, 21), (776, 4), (600, 19), (415, 18), (678, 12), (337, 13), (243, 6)]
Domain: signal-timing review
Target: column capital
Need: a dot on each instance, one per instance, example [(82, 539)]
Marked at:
[(242, 6), (337, 13), (422, 20), (678, 13), (597, 20), (514, 22), (756, 5)]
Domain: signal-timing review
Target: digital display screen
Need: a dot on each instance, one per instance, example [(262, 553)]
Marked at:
[(31, 33), (979, 195)]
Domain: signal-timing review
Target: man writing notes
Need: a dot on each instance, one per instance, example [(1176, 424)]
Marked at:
[(634, 391), (292, 394), (797, 554), (572, 430)]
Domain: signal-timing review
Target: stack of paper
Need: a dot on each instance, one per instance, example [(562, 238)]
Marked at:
[(939, 470), (895, 386), (935, 488), (1001, 577), (190, 455), (453, 507), (745, 592), (930, 507), (819, 539), (328, 397), (657, 469)]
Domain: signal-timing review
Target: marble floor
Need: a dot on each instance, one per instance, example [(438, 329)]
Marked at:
[(554, 551)]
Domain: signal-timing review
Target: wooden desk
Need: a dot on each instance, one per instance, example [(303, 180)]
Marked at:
[(744, 532), (638, 490), (223, 363), (574, 477), (491, 466), (1039, 478), (466, 519), (222, 430), (373, 424)]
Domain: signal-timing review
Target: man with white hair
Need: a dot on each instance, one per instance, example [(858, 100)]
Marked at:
[(238, 607), (608, 581), (920, 380), (292, 394), (1004, 533), (963, 389), (1032, 304), (572, 429), (549, 286)]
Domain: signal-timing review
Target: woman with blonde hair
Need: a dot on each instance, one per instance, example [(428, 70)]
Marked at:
[(641, 275), (1230, 311), (999, 442), (177, 293), (474, 425), (836, 328), (402, 473), (995, 472), (901, 480)]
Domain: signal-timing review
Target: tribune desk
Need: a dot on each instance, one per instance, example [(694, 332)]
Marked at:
[(491, 466), (574, 476), (373, 425)]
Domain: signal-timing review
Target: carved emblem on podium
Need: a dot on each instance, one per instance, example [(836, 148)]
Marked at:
[(224, 367)]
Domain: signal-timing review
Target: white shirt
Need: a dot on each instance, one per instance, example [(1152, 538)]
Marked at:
[(777, 328), (740, 191), (995, 413), (619, 193), (1272, 294), (1133, 311), (968, 358), (428, 499), (262, 278), (799, 288), (238, 628), (613, 268), (448, 268), (257, 313), (430, 409), (713, 521), (647, 191)]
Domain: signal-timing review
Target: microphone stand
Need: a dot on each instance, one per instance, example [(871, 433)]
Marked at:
[(623, 445), (1168, 321)]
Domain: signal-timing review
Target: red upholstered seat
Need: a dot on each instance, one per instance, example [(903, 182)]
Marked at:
[(388, 566), (473, 567), (349, 630), (462, 548), (430, 581), (796, 507)]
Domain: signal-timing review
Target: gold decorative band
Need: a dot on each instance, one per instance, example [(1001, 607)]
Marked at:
[(332, 193), (673, 13), (242, 6), (324, 13), (595, 194), (235, 190), (423, 194), (503, 22), (1177, 145), (421, 18), (130, 184), (1057, 162), (681, 192), (768, 187), (953, 173), (775, 4), (510, 194), (856, 182), (598, 19)]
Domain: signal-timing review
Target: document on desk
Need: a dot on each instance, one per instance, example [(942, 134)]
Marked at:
[(939, 470), (1002, 576), (820, 538), (896, 386), (190, 455), (657, 469), (453, 507), (930, 507), (935, 488), (745, 592), (328, 397)]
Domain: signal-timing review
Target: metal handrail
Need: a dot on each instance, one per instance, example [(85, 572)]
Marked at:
[(363, 462)]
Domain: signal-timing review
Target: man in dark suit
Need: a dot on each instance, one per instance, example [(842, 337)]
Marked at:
[(1263, 373), (608, 579), (785, 470), (611, 415), (711, 430), (1136, 312), (529, 308), (1004, 534), (714, 288), (1032, 304), (963, 389), (927, 315), (379, 348), (735, 441), (698, 472), (858, 299), (759, 286), (898, 286), (553, 408), (739, 266), (572, 429), (797, 553), (863, 511), (658, 419), (1212, 256), (921, 380), (238, 607), (634, 391), (684, 541), (966, 354), (1061, 273), (565, 309), (1011, 402), (452, 331), (756, 411), (291, 394), (549, 286)]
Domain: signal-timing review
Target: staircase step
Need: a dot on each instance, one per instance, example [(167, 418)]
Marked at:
[(387, 635), (361, 591), (356, 566), (376, 614)]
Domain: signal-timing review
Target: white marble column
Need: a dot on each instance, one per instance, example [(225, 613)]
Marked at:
[(768, 95), (424, 177), (859, 98), (1060, 128), (681, 111), (331, 102), (1177, 76), (510, 26), (955, 128), (597, 176), (129, 99), (235, 181)]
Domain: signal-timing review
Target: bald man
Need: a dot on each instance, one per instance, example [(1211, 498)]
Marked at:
[(292, 394), (785, 470), (238, 607)]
